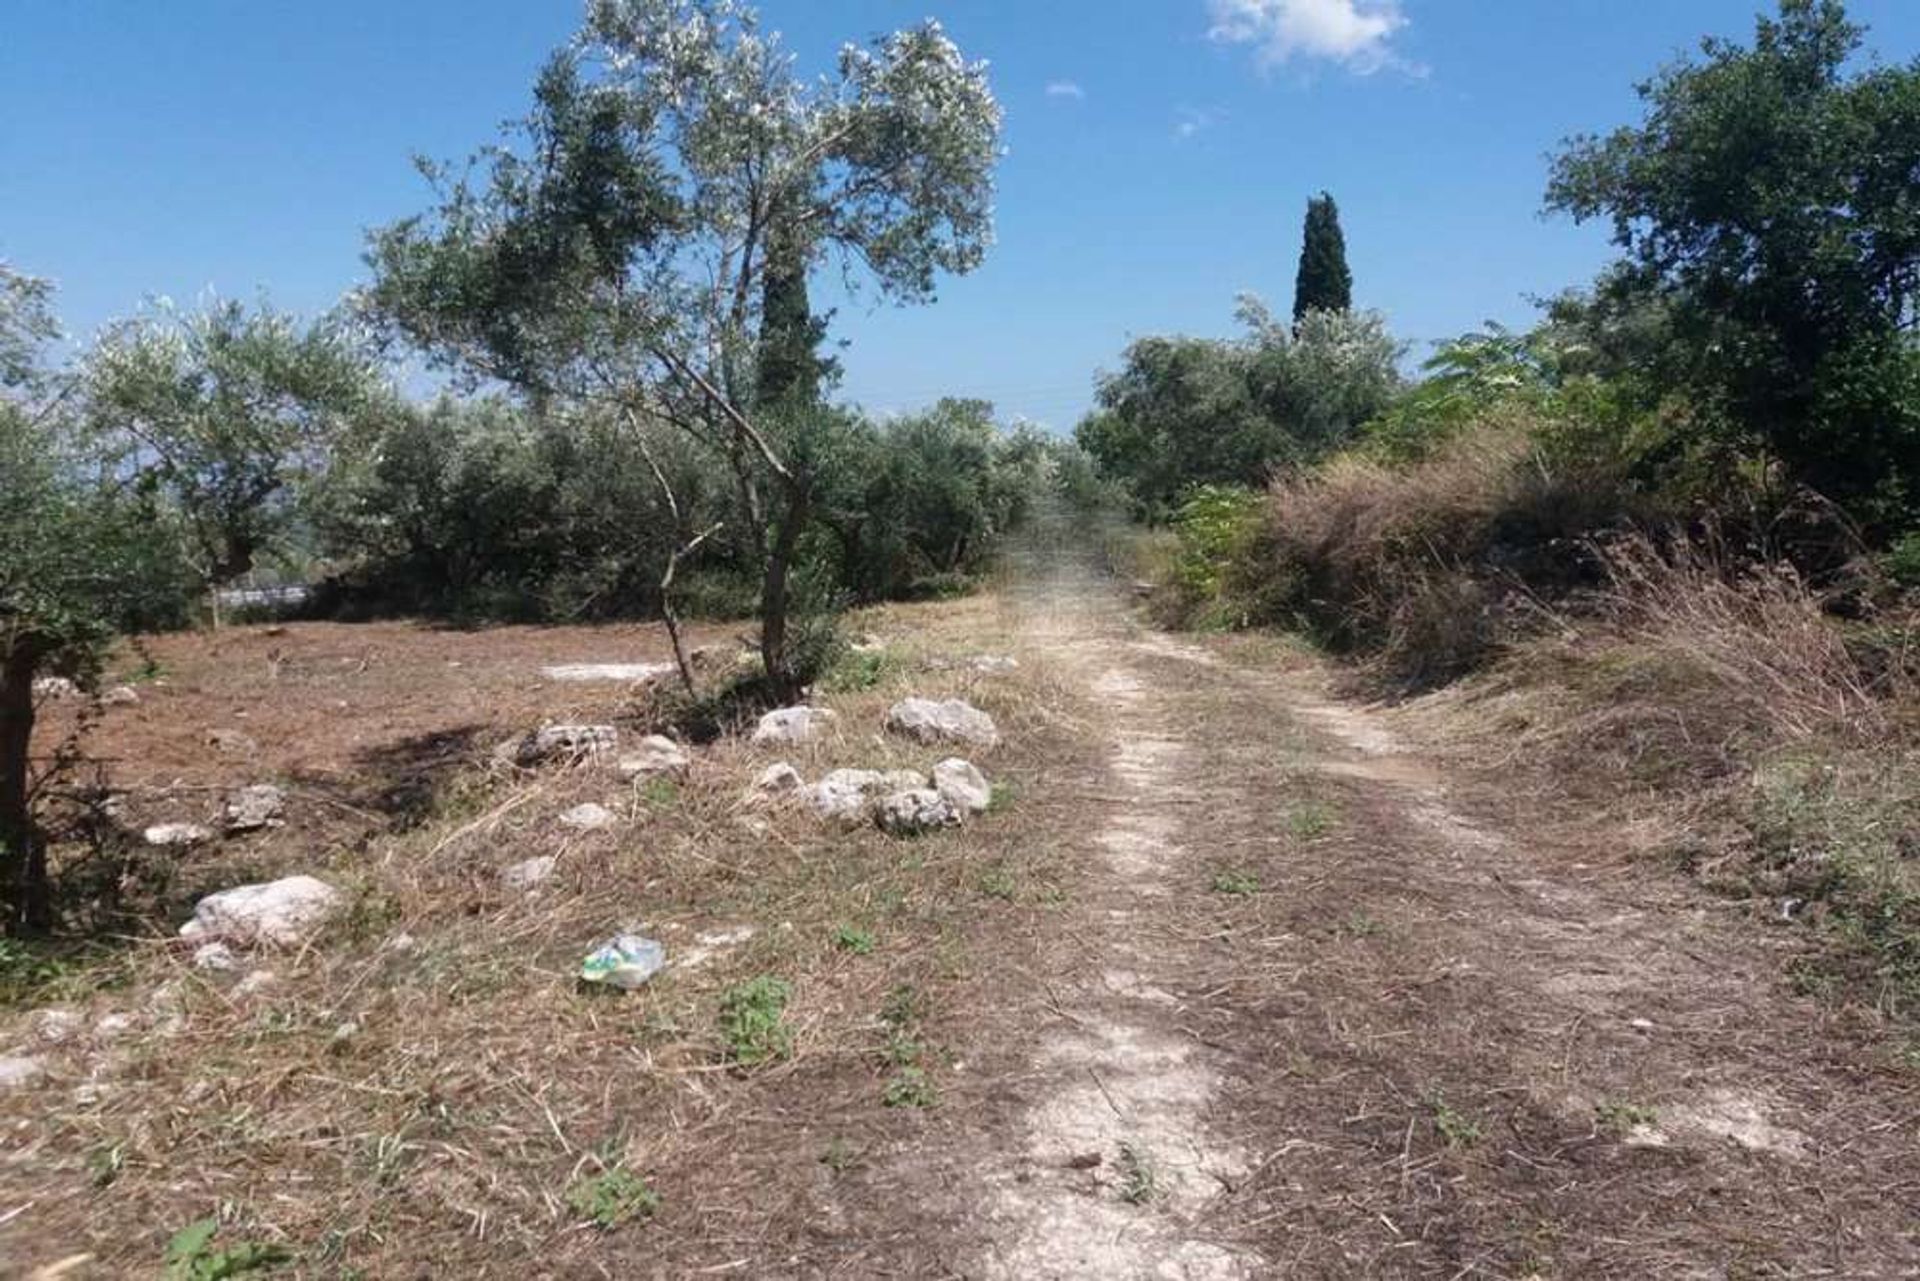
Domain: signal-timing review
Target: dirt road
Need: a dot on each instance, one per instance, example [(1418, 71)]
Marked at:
[(1315, 1009), (1235, 981)]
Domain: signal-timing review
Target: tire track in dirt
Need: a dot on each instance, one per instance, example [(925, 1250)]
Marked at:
[(1441, 1037), (1118, 1164), (1507, 1056)]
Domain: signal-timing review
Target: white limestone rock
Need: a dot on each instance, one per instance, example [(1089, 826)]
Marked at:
[(19, 1069), (962, 783), (952, 721), (794, 725), (910, 813), (563, 743), (849, 795), (589, 817), (179, 835), (252, 808), (529, 873), (778, 780), (216, 958), (56, 1025), (657, 754), (282, 913)]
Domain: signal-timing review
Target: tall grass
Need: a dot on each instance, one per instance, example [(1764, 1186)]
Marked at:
[(1759, 637), (1427, 568)]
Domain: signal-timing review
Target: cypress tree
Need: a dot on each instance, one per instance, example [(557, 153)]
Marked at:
[(1324, 283), (790, 365)]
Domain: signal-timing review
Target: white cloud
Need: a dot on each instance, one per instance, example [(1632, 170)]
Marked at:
[(1194, 120), (1065, 89), (1357, 34)]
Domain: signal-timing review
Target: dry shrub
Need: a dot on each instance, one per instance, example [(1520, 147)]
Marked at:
[(1759, 639), (1424, 565)]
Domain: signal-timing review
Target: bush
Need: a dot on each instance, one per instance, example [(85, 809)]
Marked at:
[(1210, 530), (1429, 566), (1188, 412)]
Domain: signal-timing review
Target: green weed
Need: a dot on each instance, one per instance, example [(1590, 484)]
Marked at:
[(1310, 819), (1238, 884), (611, 1198), (1359, 925), (857, 941), (909, 1087), (1458, 1129), (1622, 1118), (1139, 1183), (191, 1255), (998, 882), (751, 1023), (859, 670)]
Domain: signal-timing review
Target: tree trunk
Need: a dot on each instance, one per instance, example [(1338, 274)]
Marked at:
[(776, 594), (23, 869), (672, 615)]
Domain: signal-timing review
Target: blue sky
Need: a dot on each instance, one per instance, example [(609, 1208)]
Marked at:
[(1160, 155)]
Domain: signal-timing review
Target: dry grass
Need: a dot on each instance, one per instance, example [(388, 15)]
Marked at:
[(417, 1092), (1759, 638), (1420, 566), (1722, 718)]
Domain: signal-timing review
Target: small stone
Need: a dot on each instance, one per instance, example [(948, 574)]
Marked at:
[(657, 754), (400, 944), (781, 779), (121, 696), (849, 795), (590, 817), (166, 1006), (217, 958), (963, 784), (711, 943), (529, 873), (993, 664), (56, 1026), (19, 1069), (913, 812), (252, 808), (254, 983), (112, 1027), (55, 687), (177, 834), (953, 721), (794, 725), (285, 912), (231, 742)]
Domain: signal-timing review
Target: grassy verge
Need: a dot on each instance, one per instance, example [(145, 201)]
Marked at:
[(428, 1087)]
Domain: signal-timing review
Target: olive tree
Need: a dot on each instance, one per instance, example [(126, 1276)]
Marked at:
[(642, 240), (79, 562), (1768, 210), (224, 413), (1187, 412)]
